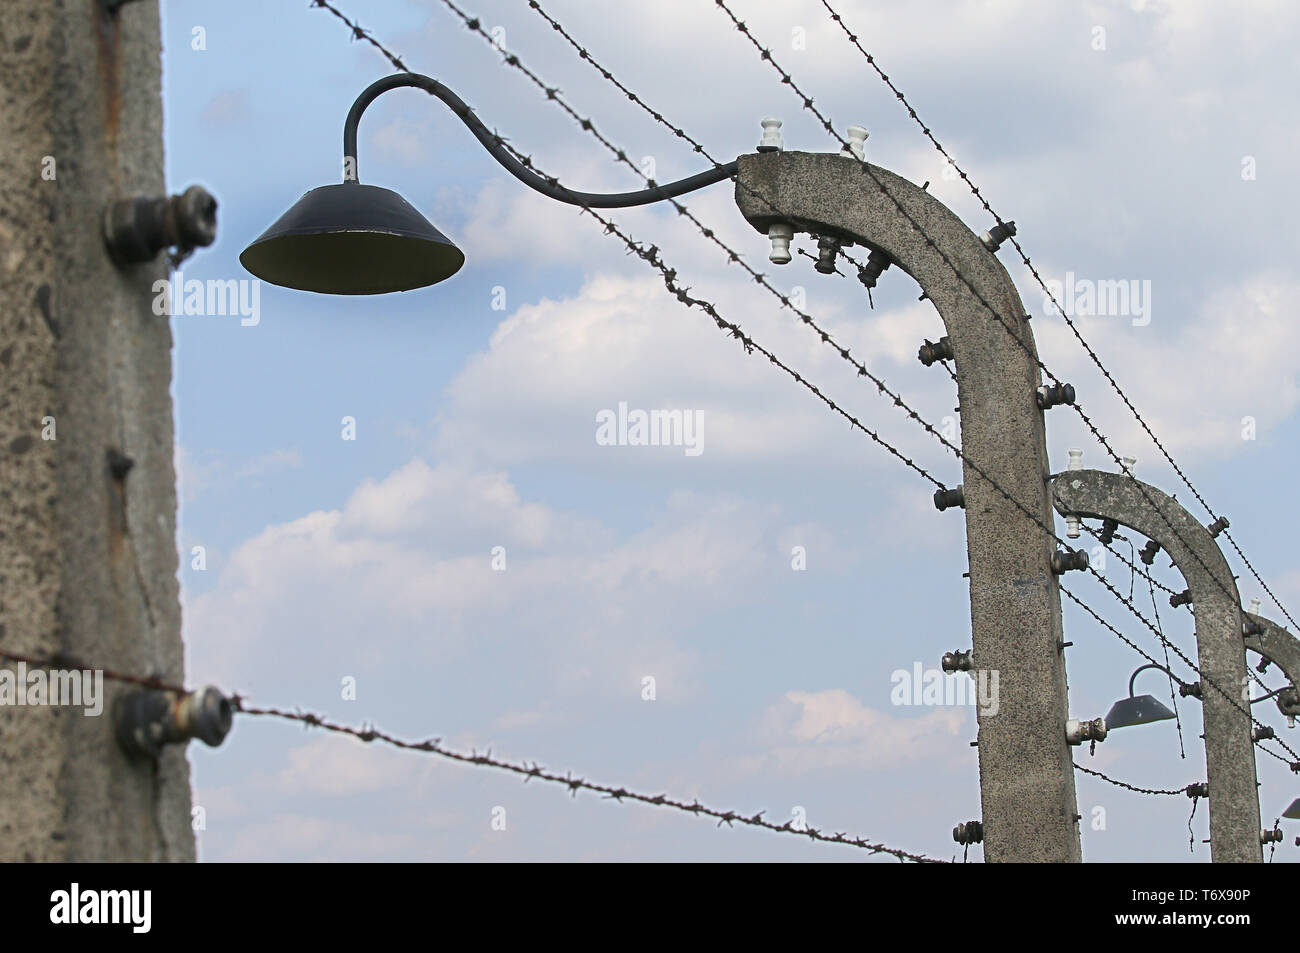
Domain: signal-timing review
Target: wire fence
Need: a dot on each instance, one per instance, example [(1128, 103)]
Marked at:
[(653, 257), (528, 770), (1074, 328)]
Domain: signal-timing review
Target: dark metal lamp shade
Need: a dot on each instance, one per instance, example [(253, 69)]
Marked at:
[(1136, 710), (1293, 812), (352, 239)]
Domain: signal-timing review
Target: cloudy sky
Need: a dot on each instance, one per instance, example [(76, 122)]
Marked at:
[(1143, 142)]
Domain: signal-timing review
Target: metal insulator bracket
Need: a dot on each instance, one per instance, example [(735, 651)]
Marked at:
[(944, 499), (147, 719), (1077, 730), (968, 832), (1065, 560), (828, 249), (960, 660), (137, 229), (998, 234), (930, 352), (1053, 395), (877, 263)]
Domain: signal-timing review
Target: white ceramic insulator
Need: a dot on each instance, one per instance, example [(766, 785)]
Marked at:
[(857, 136), (1072, 522), (771, 140), (1254, 607), (1129, 464), (780, 235)]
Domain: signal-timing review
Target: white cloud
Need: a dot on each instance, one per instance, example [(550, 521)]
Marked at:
[(404, 571), (831, 730), (1196, 377)]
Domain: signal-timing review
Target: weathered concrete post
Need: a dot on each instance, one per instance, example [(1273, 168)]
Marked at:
[(1220, 649), (1026, 769), (87, 498), (1282, 649)]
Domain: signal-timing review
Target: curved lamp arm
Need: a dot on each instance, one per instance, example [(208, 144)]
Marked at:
[(512, 165), (1143, 668)]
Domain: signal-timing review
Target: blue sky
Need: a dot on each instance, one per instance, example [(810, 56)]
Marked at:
[(370, 559)]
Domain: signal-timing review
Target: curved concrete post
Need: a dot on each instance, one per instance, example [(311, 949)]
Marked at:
[(1221, 651), (1282, 649), (1026, 770)]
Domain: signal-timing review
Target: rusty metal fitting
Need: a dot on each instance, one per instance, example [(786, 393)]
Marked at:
[(1191, 689), (136, 230), (1077, 730), (1218, 526), (1149, 552), (1053, 395), (1271, 837), (998, 234), (1065, 560), (943, 499), (828, 249), (968, 832), (959, 660), (147, 719), (940, 350), (1260, 732), (1183, 598), (876, 264), (1108, 529), (1199, 789)]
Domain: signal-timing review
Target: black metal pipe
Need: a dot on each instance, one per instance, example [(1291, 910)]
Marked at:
[(511, 164), (1143, 668)]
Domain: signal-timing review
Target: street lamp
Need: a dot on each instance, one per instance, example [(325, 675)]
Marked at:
[(1139, 709), (361, 239)]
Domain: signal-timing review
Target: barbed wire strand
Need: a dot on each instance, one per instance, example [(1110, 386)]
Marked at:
[(1125, 785), (359, 33), (66, 662), (531, 770), (1155, 610), (434, 746)]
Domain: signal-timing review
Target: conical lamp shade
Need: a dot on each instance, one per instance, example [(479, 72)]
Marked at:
[(352, 239), (1138, 710)]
